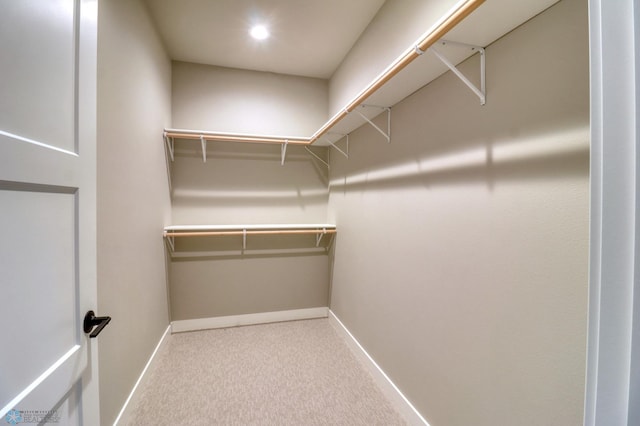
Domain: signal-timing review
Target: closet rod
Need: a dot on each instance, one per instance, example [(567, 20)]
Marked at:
[(225, 137), (249, 232), (460, 11), (457, 14)]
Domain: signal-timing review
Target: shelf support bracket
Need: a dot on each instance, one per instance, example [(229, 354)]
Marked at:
[(169, 142), (283, 152), (317, 157), (386, 135), (244, 240), (203, 142), (171, 243), (481, 92), (342, 135), (346, 154), (169, 158), (332, 238), (319, 236)]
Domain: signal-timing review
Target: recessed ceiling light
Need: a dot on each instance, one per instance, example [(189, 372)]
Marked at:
[(259, 32)]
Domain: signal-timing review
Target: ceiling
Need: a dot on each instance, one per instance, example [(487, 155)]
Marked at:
[(216, 32), (312, 37)]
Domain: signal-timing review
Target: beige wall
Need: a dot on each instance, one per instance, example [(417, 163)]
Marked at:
[(246, 184), (134, 101), (242, 183), (462, 254), (397, 24), (237, 284), (240, 101)]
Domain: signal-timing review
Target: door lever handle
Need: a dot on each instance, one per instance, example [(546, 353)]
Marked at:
[(91, 320)]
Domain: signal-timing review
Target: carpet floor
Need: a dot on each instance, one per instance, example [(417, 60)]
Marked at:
[(289, 373)]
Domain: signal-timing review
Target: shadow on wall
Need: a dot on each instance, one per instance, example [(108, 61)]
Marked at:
[(255, 246), (254, 197), (541, 157), (246, 183)]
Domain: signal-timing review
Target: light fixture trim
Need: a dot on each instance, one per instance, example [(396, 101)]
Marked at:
[(259, 32)]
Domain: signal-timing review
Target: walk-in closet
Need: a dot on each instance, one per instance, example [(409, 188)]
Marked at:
[(320, 212), (432, 195)]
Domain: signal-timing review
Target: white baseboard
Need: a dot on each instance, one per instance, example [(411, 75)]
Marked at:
[(248, 319), (131, 402), (391, 391)]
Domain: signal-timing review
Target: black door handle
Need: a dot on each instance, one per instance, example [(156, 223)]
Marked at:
[(91, 320)]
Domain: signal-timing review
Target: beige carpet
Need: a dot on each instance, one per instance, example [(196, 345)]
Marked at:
[(290, 373)]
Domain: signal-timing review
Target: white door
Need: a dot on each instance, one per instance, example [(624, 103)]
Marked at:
[(48, 365)]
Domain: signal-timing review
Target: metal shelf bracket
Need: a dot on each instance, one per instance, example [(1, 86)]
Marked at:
[(169, 156), (346, 154), (481, 92), (169, 143), (172, 244), (203, 142), (317, 157), (387, 135), (319, 236), (283, 152), (244, 239)]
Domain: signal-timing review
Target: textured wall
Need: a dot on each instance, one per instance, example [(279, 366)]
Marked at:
[(134, 105), (462, 258)]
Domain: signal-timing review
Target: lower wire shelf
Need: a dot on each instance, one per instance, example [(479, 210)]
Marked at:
[(183, 231)]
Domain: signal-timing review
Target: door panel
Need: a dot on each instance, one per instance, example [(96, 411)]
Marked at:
[(38, 84), (48, 366), (40, 281)]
